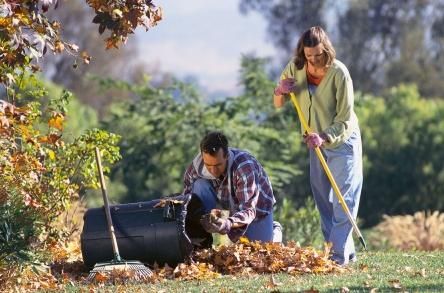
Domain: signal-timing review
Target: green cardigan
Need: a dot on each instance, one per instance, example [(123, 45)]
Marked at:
[(330, 109)]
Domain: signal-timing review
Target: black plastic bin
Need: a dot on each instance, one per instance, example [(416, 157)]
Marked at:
[(159, 231)]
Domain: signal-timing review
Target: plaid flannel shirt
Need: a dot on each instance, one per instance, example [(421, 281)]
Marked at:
[(245, 190)]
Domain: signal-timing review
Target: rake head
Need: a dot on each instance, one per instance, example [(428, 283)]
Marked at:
[(130, 270)]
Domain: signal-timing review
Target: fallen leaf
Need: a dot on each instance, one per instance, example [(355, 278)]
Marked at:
[(163, 202), (100, 277), (271, 284), (422, 273), (4, 122), (395, 284), (244, 240)]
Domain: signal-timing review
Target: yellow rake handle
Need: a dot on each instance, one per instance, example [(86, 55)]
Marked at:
[(327, 171)]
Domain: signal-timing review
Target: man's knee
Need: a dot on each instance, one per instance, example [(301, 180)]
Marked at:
[(203, 189), (202, 186)]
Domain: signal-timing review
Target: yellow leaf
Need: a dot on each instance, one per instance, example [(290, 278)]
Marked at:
[(117, 13), (51, 155), (56, 121), (244, 240), (4, 22)]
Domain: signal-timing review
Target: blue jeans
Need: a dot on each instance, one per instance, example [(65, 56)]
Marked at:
[(345, 163), (265, 229)]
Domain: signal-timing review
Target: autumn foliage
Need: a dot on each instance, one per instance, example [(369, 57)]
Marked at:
[(40, 175), (123, 17), (421, 231), (40, 172), (26, 34)]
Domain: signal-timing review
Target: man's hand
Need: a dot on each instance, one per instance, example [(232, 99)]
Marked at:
[(314, 140), (285, 86), (213, 223)]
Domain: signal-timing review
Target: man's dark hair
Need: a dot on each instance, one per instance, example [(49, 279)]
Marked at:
[(213, 141)]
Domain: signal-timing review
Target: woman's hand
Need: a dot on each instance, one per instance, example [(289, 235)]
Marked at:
[(314, 140), (285, 86)]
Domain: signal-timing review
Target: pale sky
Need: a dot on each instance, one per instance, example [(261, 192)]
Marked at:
[(205, 39)]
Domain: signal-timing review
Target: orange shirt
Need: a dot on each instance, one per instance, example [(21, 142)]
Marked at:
[(312, 79)]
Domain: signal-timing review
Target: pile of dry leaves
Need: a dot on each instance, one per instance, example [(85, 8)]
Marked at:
[(241, 259), (246, 258)]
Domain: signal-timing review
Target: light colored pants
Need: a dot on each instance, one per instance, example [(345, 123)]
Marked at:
[(345, 163), (265, 229)]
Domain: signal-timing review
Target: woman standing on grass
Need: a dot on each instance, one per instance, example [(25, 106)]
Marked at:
[(325, 92)]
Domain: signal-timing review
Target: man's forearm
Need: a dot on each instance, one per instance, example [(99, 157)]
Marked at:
[(238, 225)]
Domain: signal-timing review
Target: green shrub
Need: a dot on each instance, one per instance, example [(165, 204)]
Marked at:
[(41, 174), (302, 225)]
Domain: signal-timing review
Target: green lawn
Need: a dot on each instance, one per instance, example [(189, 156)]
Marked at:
[(384, 271)]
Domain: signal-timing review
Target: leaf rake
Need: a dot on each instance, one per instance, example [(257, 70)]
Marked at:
[(134, 268), (335, 187)]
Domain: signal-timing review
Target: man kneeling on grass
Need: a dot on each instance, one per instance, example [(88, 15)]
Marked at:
[(232, 179)]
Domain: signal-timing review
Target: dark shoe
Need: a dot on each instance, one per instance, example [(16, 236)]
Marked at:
[(352, 258)]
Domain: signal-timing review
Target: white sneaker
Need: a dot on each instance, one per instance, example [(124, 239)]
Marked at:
[(277, 232)]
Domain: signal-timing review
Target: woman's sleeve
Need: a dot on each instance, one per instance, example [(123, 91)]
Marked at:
[(344, 107)]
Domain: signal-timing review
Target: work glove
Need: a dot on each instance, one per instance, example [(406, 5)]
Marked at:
[(314, 140), (6, 107), (214, 224), (285, 86)]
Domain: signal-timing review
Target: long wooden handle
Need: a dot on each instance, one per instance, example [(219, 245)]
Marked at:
[(106, 203), (328, 172)]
